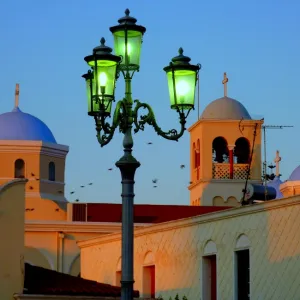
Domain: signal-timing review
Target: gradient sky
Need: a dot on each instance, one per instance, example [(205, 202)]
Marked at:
[(256, 42)]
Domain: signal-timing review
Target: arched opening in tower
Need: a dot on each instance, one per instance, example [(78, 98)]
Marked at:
[(242, 151), (220, 150)]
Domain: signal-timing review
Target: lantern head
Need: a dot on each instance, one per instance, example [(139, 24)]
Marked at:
[(128, 42), (100, 80), (182, 78)]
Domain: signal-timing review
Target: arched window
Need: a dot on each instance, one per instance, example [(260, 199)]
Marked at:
[(51, 175), (198, 153), (242, 150), (220, 150), (194, 156), (19, 168)]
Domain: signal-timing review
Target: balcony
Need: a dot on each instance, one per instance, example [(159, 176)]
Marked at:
[(222, 171)]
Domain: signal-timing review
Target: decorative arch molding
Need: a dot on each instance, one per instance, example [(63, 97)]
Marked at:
[(231, 201), (119, 265), (218, 201), (210, 248), (149, 258), (75, 266), (242, 242), (29, 262), (35, 257)]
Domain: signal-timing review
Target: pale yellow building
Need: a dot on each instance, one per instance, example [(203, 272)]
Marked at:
[(12, 207), (247, 252), (200, 256), (28, 149)]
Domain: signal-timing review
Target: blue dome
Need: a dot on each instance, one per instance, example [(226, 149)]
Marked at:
[(17, 125), (295, 175), (275, 183)]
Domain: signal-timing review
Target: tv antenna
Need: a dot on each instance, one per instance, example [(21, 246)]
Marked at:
[(265, 128)]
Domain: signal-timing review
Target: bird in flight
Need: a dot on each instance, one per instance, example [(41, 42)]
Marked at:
[(110, 169), (82, 186), (72, 192), (154, 180), (90, 183), (149, 143), (182, 166), (77, 200), (155, 186), (32, 174)]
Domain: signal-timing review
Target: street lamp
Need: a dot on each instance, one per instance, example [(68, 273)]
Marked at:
[(100, 79)]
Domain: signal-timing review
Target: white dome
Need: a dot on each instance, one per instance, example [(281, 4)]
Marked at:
[(225, 109)]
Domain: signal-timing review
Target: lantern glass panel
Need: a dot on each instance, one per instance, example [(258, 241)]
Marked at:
[(104, 76), (93, 104), (134, 45), (185, 84)]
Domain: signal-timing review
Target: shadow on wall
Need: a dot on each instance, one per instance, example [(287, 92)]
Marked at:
[(12, 223), (37, 258)]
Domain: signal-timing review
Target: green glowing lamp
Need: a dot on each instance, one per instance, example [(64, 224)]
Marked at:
[(182, 78), (100, 81), (128, 42)]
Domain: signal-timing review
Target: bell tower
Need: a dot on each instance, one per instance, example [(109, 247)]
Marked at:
[(29, 150), (225, 151)]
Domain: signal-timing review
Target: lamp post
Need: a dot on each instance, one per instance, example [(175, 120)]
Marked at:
[(105, 69)]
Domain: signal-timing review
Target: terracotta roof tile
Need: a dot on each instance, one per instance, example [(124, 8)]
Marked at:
[(40, 281)]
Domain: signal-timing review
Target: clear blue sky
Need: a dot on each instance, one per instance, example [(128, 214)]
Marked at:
[(256, 42)]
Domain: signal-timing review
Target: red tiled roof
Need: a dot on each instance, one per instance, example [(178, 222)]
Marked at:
[(40, 281), (144, 213)]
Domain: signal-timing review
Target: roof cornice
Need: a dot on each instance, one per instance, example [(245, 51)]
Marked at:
[(206, 121), (56, 150), (193, 221), (75, 227)]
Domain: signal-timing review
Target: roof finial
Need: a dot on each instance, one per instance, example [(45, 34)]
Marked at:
[(17, 92), (277, 160), (225, 80)]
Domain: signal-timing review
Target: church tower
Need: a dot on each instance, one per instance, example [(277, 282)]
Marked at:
[(29, 150), (225, 152)]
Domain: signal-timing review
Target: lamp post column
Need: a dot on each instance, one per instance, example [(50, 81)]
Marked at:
[(127, 165)]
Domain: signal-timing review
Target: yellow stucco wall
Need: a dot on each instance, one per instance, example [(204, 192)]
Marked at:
[(204, 189), (177, 247), (53, 245), (43, 196), (12, 206)]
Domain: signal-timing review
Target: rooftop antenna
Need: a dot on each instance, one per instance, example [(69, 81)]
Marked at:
[(225, 80), (17, 92), (265, 127)]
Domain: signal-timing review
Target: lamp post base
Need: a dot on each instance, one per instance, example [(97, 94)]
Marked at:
[(127, 165)]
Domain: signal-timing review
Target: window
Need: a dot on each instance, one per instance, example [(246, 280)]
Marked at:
[(209, 281), (149, 282), (19, 168), (118, 278), (51, 175), (242, 278)]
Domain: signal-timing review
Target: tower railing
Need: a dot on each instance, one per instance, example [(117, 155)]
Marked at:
[(222, 171)]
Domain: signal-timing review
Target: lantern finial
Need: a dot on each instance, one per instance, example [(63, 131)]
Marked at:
[(127, 12), (102, 41), (180, 51)]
